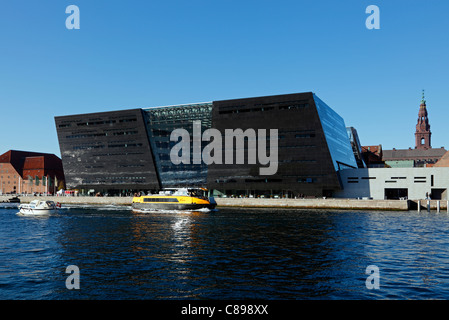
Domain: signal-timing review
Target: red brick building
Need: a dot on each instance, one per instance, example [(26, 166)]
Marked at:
[(372, 155), (24, 172), (423, 155), (444, 161)]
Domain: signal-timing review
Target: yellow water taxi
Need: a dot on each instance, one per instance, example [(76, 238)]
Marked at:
[(174, 199)]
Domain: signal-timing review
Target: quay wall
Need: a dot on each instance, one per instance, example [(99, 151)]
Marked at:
[(119, 201), (399, 205), (318, 203)]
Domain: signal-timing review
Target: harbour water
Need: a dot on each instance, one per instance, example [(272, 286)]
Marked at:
[(232, 253)]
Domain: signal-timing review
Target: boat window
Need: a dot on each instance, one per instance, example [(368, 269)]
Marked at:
[(160, 200)]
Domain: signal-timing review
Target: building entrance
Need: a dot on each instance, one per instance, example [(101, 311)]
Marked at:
[(396, 194)]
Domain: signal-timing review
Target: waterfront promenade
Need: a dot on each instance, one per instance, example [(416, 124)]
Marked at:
[(317, 203)]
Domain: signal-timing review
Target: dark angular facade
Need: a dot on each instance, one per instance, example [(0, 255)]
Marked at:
[(130, 150), (106, 151), (312, 146)]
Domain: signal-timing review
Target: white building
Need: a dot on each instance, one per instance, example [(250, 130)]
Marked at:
[(395, 183)]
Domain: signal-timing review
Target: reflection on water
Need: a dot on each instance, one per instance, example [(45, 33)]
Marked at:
[(224, 254)]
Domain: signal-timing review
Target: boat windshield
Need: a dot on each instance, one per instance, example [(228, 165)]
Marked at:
[(193, 192), (181, 192)]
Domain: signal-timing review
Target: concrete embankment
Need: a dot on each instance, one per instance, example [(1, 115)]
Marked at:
[(319, 203), (335, 203), (118, 201), (343, 204)]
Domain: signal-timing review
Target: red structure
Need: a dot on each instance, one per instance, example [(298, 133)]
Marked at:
[(30, 172), (372, 156), (422, 134), (423, 155)]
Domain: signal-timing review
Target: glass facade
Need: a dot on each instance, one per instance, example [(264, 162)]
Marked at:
[(356, 146), (336, 136), (160, 122)]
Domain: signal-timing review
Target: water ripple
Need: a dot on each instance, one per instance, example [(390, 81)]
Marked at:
[(225, 254)]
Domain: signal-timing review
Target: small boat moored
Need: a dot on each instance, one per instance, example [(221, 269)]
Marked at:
[(175, 199), (38, 207)]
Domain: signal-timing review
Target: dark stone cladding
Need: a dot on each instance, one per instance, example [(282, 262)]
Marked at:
[(112, 151), (106, 150), (305, 163)]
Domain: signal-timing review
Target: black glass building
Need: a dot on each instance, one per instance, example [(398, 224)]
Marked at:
[(312, 146), (107, 152), (128, 151), (160, 123)]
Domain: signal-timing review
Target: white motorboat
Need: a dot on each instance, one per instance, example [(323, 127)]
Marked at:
[(38, 207)]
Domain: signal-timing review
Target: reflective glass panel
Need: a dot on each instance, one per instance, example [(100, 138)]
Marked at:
[(336, 136), (160, 122)]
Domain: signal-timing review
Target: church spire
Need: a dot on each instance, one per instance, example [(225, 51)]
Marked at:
[(422, 133)]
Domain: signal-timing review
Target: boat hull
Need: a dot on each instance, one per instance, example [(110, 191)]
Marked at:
[(172, 206), (36, 212), (181, 199), (37, 208)]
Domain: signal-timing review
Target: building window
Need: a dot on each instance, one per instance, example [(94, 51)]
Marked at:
[(305, 135), (306, 180)]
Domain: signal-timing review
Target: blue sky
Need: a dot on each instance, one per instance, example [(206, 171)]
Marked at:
[(131, 54)]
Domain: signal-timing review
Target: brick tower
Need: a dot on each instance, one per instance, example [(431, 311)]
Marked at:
[(422, 134)]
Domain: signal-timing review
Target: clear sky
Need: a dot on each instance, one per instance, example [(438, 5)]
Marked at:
[(132, 54)]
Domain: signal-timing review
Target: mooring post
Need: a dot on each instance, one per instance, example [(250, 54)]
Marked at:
[(428, 206), (438, 206), (419, 205)]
